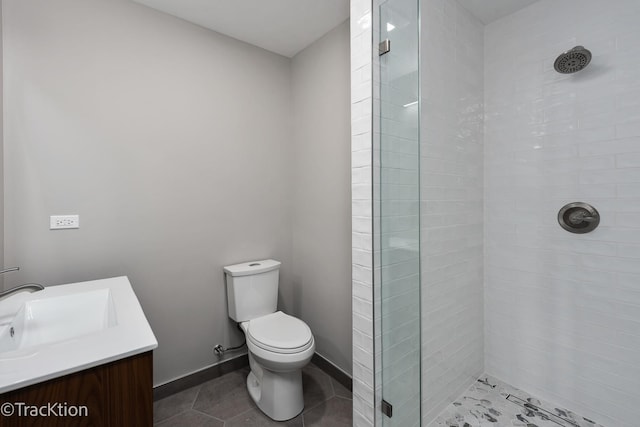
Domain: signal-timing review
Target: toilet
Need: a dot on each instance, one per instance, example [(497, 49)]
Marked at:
[(279, 345)]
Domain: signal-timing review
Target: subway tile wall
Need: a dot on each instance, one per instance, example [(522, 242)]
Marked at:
[(563, 310), (451, 185), (362, 204)]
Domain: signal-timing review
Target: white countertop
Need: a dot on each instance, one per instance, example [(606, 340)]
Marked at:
[(129, 336)]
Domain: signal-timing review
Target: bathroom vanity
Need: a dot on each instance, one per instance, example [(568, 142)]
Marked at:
[(119, 393), (77, 354)]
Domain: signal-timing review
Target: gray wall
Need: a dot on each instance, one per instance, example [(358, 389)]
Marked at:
[(322, 195), (170, 141), (181, 152)]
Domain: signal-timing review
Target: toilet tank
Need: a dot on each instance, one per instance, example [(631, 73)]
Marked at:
[(252, 289)]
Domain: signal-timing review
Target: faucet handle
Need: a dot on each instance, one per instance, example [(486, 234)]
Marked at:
[(9, 269)]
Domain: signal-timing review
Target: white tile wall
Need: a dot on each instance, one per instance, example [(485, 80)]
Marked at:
[(451, 156), (362, 190), (563, 310)]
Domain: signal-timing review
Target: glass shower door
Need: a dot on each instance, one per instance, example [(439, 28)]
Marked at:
[(398, 214)]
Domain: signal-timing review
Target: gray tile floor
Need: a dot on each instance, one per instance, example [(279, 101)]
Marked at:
[(225, 402)]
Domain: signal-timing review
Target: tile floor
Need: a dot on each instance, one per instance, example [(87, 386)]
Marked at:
[(490, 403), (225, 402)]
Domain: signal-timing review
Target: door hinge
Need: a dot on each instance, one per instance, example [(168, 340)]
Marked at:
[(387, 408), (384, 47)]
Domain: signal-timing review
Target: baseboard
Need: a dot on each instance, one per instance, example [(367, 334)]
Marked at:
[(197, 378), (212, 372), (333, 371)]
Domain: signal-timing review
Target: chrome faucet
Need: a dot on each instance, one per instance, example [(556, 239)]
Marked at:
[(33, 287)]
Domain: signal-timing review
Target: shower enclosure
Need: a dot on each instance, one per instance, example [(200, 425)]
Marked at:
[(397, 212), (505, 193)]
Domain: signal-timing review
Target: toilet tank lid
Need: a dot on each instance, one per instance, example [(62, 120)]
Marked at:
[(252, 267)]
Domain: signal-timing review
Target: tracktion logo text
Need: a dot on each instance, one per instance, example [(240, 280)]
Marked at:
[(56, 409)]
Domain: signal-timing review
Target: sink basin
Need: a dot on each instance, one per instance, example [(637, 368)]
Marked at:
[(69, 328), (48, 320)]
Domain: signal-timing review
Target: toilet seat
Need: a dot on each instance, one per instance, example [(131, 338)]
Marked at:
[(280, 333)]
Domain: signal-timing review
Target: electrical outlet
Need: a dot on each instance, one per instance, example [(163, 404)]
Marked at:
[(64, 222)]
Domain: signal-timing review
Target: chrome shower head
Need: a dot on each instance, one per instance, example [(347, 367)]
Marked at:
[(572, 60)]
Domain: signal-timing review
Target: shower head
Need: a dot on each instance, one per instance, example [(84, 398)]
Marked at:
[(572, 60)]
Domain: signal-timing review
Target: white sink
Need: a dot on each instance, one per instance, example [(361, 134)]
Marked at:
[(54, 319), (68, 328)]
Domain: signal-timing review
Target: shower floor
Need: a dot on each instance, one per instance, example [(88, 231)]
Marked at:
[(491, 403)]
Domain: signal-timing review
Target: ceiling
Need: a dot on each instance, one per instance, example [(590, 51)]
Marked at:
[(281, 26), (492, 10), (288, 26)]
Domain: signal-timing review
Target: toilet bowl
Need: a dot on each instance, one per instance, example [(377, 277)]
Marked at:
[(279, 345)]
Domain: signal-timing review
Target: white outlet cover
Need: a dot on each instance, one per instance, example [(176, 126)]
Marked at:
[(64, 222)]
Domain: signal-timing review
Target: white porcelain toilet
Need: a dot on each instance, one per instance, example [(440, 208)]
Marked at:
[(279, 345)]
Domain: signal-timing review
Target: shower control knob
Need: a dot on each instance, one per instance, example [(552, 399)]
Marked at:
[(578, 217)]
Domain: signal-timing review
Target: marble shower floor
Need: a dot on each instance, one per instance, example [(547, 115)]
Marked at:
[(492, 403)]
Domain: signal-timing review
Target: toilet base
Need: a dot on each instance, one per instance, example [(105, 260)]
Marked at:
[(277, 394)]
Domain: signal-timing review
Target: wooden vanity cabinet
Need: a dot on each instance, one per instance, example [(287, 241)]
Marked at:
[(116, 394)]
